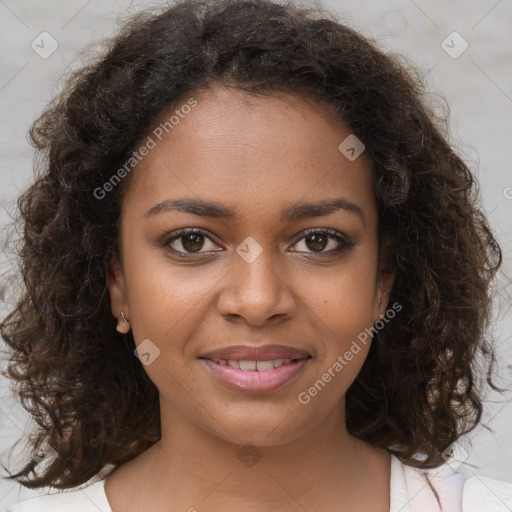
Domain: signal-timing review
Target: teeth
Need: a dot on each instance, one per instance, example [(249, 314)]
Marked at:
[(247, 365), (260, 366)]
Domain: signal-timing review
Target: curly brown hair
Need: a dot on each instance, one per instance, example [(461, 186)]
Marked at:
[(94, 404)]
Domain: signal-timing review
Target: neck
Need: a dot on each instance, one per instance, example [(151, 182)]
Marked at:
[(196, 468)]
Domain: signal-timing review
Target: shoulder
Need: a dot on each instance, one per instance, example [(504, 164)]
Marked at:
[(454, 490), (85, 499), (481, 494)]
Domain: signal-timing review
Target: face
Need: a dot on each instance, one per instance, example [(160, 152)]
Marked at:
[(256, 266)]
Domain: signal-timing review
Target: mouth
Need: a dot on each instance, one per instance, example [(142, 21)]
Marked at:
[(255, 366), (256, 376), (261, 353)]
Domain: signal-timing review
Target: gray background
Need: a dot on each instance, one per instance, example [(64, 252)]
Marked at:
[(477, 86)]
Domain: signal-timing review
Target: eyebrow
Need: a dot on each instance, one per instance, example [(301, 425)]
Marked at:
[(218, 210)]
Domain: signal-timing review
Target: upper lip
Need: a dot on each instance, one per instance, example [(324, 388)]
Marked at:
[(260, 353)]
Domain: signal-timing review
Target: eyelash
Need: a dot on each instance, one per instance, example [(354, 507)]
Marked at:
[(343, 241)]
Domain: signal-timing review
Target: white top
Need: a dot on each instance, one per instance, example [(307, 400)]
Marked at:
[(409, 492)]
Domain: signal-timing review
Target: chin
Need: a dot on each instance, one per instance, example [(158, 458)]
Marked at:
[(258, 429)]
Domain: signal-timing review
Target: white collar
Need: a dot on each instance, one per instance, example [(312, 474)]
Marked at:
[(459, 490), (399, 496)]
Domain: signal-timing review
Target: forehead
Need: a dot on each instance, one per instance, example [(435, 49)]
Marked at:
[(258, 152)]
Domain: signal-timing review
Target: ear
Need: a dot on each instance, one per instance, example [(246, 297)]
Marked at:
[(385, 278), (117, 290)]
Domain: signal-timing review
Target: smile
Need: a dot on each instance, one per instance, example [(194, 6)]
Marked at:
[(256, 376), (259, 366)]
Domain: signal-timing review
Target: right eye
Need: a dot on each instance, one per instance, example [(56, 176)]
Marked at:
[(191, 241)]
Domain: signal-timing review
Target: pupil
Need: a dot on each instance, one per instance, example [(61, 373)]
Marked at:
[(320, 245), (195, 244)]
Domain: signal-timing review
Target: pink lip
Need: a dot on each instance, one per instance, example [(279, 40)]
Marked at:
[(255, 381)]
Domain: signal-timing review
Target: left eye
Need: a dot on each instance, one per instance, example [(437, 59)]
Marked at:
[(317, 240)]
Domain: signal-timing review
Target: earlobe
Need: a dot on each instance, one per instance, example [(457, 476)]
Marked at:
[(385, 285), (385, 279), (117, 291), (383, 290)]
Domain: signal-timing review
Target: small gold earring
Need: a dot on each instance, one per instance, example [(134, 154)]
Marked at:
[(380, 300), (123, 327)]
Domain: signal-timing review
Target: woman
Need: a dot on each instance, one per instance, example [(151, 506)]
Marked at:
[(256, 276)]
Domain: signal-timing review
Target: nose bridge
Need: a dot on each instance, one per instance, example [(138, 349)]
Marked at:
[(254, 289), (256, 267)]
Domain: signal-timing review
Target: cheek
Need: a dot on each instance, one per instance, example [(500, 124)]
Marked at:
[(344, 306), (164, 296), (345, 299), (165, 303)]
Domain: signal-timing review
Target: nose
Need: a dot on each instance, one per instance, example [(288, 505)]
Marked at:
[(256, 292)]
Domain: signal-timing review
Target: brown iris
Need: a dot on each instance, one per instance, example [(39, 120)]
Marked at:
[(319, 241)]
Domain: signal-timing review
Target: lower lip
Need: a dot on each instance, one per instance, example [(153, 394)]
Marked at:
[(255, 381)]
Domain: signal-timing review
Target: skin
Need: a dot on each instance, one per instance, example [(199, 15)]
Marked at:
[(257, 156)]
